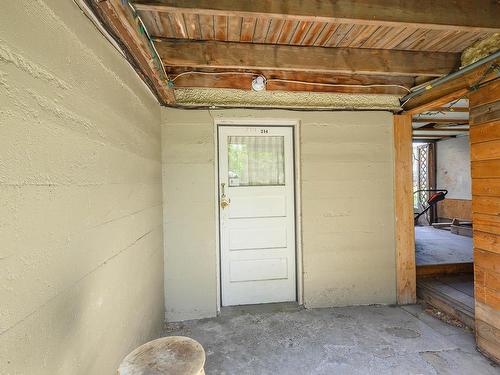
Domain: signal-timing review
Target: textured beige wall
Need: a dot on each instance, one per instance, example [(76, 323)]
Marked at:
[(81, 275), (347, 207), (189, 221)]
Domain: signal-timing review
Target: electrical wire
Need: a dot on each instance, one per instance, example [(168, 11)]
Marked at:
[(90, 16), (289, 80), (151, 44), (336, 84)]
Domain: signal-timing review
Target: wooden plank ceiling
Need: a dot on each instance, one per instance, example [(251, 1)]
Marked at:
[(376, 46)]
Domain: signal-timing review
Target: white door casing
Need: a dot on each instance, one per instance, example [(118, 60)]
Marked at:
[(257, 223)]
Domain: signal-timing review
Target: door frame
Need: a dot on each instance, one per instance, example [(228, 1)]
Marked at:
[(240, 121)]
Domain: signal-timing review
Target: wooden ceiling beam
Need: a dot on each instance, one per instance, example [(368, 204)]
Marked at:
[(451, 109), (438, 130), (120, 23), (291, 81), (441, 120), (434, 102), (230, 55), (478, 15), (450, 91), (432, 138)]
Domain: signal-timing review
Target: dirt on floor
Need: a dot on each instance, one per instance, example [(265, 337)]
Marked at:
[(438, 314)]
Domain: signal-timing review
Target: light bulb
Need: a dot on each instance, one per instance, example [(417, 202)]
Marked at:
[(259, 83)]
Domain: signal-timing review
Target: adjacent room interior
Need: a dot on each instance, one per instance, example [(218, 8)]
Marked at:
[(263, 187), (443, 210)]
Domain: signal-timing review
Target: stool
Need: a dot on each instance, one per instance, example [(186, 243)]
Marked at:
[(174, 355)]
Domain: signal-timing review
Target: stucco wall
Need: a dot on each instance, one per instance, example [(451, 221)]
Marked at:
[(348, 208), (346, 165), (81, 275), (453, 167), (189, 221)]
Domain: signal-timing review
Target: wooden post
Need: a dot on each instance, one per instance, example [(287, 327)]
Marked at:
[(403, 195)]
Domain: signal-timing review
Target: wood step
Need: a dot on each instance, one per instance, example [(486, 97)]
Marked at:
[(447, 299), (434, 270)]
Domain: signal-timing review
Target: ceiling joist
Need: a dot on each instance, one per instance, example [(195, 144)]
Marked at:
[(121, 23), (451, 109), (466, 15), (230, 55), (332, 46), (438, 130), (440, 120)]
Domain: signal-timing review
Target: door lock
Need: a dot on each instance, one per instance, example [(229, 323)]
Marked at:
[(224, 201)]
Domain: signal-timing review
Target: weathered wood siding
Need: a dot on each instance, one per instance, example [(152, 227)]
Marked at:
[(485, 159)]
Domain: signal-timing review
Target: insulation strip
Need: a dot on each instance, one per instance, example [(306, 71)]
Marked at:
[(480, 49), (281, 99)]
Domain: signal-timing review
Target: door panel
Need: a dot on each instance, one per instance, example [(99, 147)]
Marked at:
[(258, 206), (257, 223), (258, 238), (258, 269)]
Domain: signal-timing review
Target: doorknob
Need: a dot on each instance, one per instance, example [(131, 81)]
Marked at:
[(224, 201)]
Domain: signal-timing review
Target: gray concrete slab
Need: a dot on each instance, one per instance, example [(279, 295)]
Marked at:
[(267, 339), (438, 246)]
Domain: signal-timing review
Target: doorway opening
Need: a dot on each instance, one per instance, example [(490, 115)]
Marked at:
[(257, 234), (443, 226)]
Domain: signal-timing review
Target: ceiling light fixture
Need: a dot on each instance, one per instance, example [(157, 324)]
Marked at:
[(259, 83)]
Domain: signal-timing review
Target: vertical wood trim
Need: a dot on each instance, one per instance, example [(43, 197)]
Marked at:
[(403, 205), (432, 172)]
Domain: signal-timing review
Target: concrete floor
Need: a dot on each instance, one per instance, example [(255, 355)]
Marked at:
[(438, 246), (285, 339)]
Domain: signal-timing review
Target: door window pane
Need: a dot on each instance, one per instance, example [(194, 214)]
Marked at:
[(256, 161)]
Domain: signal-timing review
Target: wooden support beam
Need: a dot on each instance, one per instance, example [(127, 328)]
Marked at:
[(457, 88), (434, 102), (229, 55), (403, 201), (120, 23), (441, 120), (433, 270), (431, 138), (440, 131), (452, 109), (292, 81), (479, 15)]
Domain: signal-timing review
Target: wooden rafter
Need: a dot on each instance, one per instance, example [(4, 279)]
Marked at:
[(440, 120), (479, 15), (119, 21), (439, 131), (452, 109), (227, 55), (452, 90)]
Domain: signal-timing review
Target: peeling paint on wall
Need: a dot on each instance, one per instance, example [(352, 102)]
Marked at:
[(282, 99)]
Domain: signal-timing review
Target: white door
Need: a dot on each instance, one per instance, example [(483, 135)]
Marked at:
[(257, 222)]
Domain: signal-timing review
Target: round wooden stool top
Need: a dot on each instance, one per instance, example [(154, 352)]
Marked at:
[(174, 355)]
